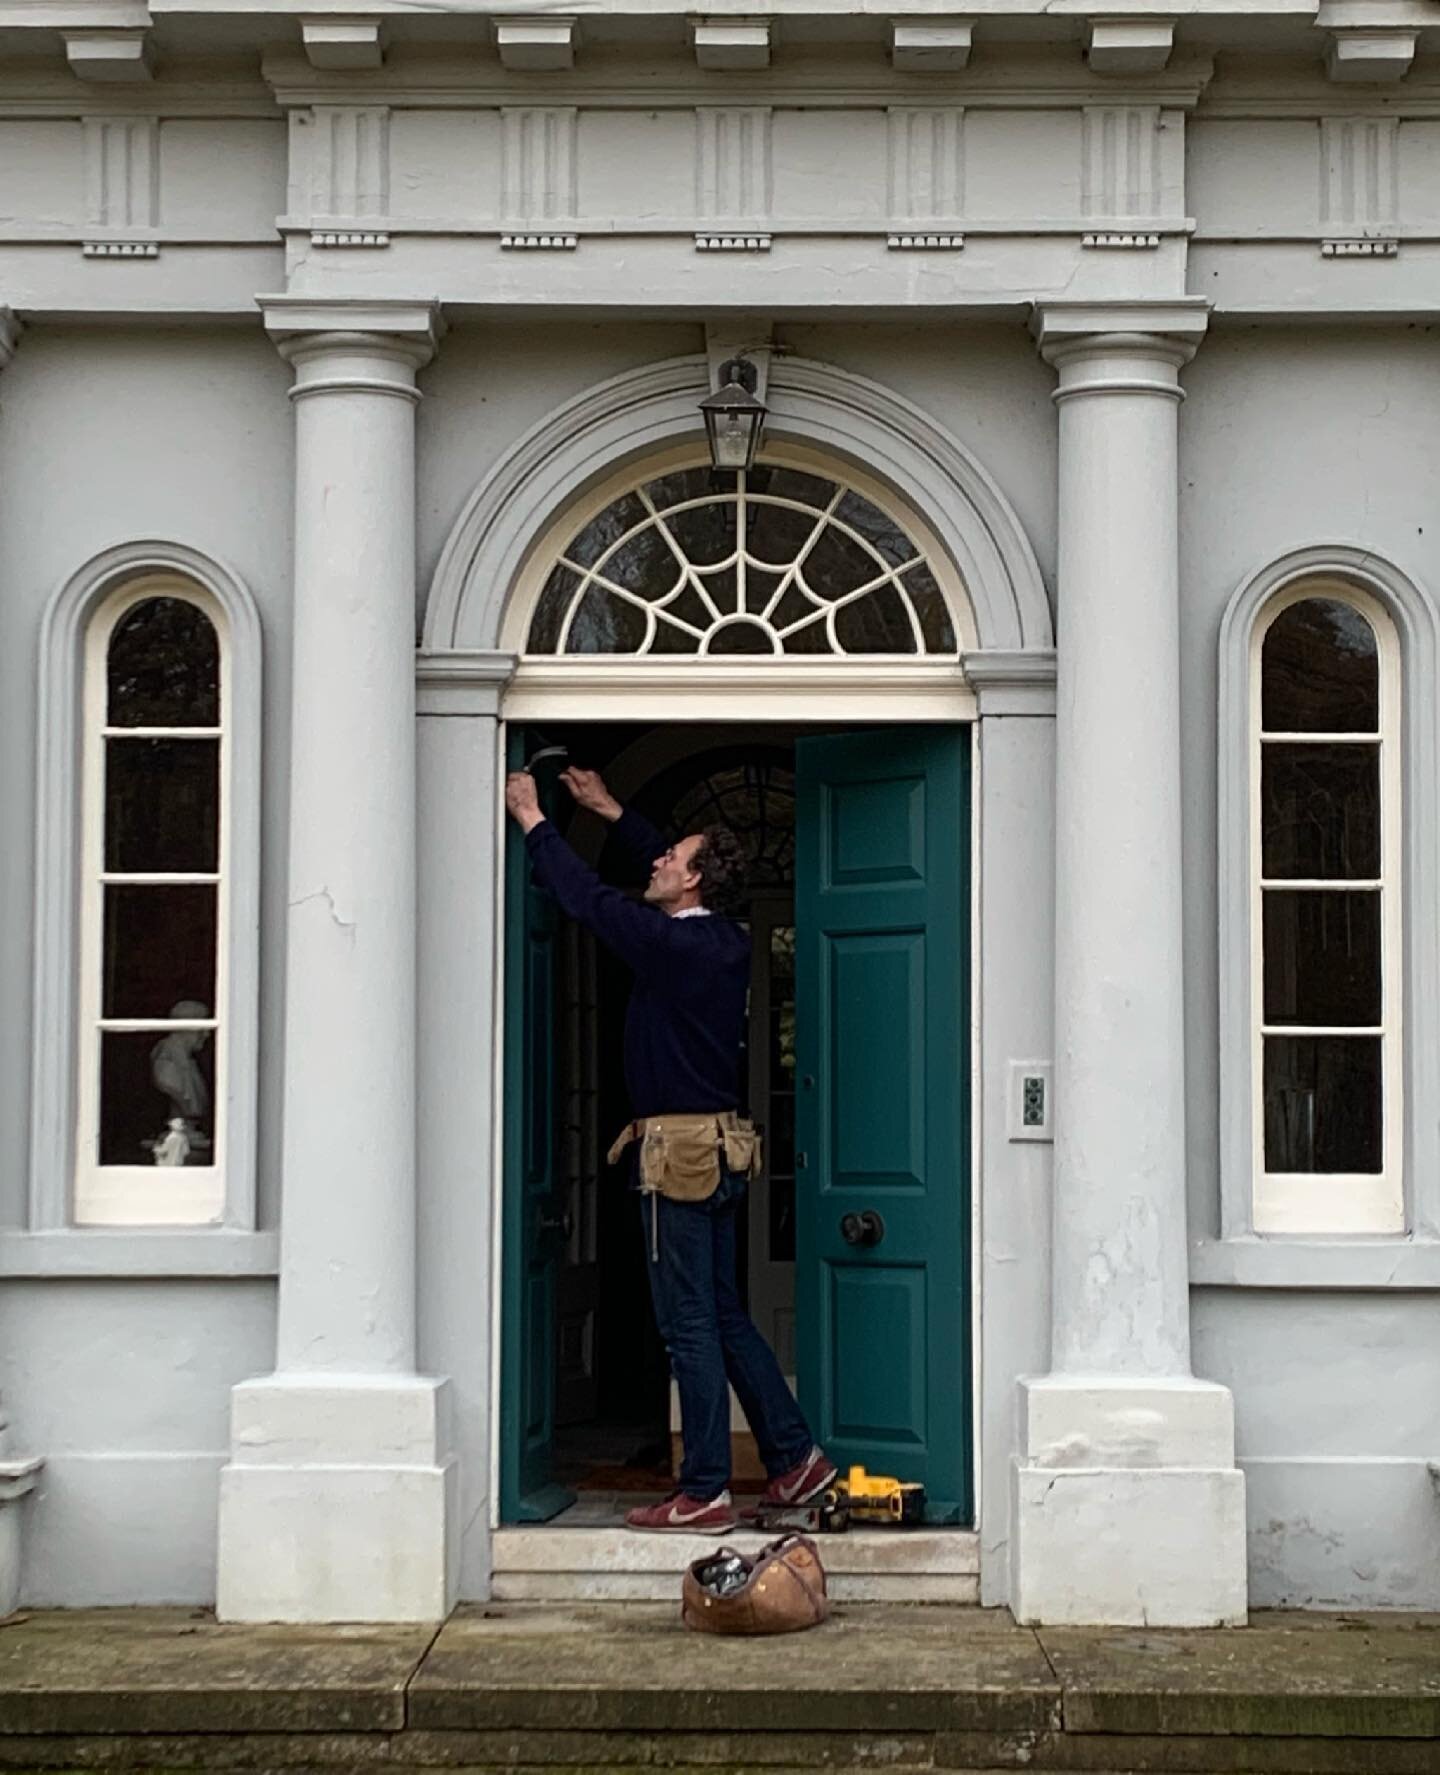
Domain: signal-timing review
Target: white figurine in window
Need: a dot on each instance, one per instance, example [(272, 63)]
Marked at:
[(175, 1075), (173, 1147)]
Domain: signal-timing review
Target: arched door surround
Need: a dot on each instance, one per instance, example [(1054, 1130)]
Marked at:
[(492, 569)]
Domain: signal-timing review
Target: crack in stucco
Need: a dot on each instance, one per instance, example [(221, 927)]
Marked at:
[(323, 893)]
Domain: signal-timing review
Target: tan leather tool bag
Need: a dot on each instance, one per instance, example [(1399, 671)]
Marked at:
[(783, 1592), (680, 1156)]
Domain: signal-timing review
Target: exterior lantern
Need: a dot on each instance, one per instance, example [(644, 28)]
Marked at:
[(734, 416)]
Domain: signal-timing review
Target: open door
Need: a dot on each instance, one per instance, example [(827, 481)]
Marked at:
[(534, 1220), (882, 1111)]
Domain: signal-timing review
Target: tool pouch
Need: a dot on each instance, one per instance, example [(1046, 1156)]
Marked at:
[(783, 1592), (680, 1156)]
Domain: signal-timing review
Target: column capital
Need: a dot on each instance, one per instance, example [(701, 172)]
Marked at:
[(409, 327), (1174, 328), (10, 330)]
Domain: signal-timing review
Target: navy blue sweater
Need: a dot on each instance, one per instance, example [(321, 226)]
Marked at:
[(686, 1020)]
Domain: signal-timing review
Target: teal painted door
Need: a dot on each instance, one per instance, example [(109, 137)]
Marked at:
[(533, 1236), (882, 1111)]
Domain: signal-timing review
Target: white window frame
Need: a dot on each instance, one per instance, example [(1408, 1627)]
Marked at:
[(1334, 1202), (1226, 1249), (144, 1195), (69, 1211)]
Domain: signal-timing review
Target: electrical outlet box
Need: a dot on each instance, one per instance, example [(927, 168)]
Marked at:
[(1030, 1105)]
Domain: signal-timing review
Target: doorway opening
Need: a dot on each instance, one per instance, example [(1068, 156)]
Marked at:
[(855, 1066)]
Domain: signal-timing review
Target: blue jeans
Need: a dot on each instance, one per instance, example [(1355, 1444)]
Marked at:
[(711, 1339)]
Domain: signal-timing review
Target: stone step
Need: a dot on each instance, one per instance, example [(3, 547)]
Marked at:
[(620, 1688), (552, 1563)]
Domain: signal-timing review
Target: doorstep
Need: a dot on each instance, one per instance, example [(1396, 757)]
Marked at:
[(569, 1561)]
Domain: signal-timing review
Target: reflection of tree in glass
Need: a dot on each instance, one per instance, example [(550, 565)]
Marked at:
[(164, 666)]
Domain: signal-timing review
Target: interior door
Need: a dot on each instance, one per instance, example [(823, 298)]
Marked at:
[(534, 1219), (882, 1108)]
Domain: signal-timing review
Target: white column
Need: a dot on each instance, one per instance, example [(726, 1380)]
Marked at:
[(1127, 1503), (334, 1504), (18, 1473)]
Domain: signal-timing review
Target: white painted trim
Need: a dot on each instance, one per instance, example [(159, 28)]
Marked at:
[(476, 598), (59, 842), (1354, 571), (616, 688)]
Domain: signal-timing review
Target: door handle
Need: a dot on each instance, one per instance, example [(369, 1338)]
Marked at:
[(864, 1228)]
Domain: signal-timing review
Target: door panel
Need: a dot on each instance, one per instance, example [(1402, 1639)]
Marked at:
[(533, 1218), (882, 1113)]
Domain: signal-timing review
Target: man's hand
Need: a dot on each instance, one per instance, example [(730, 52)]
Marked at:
[(588, 788), (522, 801)]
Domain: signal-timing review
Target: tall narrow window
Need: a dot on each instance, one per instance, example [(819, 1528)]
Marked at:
[(1326, 915), (151, 1100)]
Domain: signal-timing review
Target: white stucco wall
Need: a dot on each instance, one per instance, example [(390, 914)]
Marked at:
[(123, 1384), (1296, 436)]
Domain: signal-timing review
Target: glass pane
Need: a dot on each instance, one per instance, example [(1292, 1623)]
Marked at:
[(163, 667), (644, 564), (881, 532), (688, 483), (1320, 671), (545, 625), (1320, 811), (1323, 1108), (705, 534), (760, 587), (1322, 957), (157, 1098), (606, 529), (741, 637), (791, 483), (159, 952), (837, 564), (776, 533), (932, 610), (606, 624), (782, 1219), (876, 623), (162, 806)]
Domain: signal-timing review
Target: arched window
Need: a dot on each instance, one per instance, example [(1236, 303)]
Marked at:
[(776, 561), (155, 906), (1326, 913)]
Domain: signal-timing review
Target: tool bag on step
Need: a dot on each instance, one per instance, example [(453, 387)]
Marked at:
[(780, 1590)]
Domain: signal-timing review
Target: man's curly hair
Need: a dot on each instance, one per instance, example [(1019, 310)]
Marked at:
[(722, 866)]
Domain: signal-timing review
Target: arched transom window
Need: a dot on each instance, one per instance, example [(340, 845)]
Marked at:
[(776, 561), (1326, 906)]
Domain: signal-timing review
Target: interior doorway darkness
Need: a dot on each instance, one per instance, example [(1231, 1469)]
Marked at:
[(612, 1394)]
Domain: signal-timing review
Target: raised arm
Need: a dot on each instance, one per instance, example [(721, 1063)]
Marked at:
[(633, 830), (641, 935)]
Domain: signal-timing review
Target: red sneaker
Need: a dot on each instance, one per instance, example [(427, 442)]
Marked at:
[(804, 1481), (680, 1514)]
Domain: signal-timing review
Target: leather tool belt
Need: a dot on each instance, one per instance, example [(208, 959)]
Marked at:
[(681, 1155)]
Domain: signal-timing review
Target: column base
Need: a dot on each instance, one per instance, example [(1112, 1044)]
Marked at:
[(1127, 1508), (337, 1501)]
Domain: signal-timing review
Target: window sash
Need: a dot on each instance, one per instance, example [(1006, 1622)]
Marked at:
[(146, 1195), (1315, 1202)]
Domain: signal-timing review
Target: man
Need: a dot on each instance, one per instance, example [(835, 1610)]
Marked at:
[(683, 1035)]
